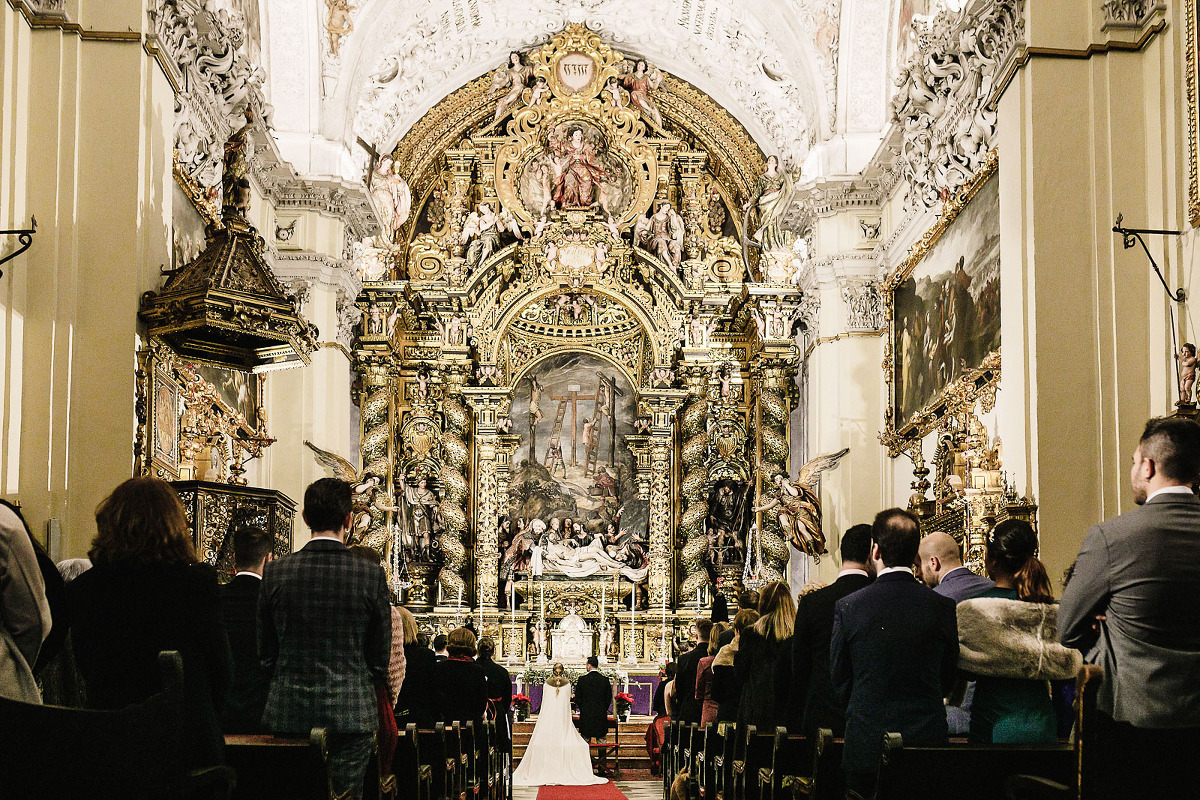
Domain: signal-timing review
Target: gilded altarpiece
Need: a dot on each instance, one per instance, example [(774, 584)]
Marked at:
[(554, 385)]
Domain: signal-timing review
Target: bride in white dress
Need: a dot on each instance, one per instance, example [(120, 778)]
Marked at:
[(557, 755)]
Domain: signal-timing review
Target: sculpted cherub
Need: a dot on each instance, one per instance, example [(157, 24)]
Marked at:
[(798, 507), (370, 502)]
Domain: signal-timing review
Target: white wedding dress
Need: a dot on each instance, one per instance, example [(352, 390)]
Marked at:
[(557, 755)]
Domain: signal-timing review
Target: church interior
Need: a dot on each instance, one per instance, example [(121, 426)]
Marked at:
[(609, 312)]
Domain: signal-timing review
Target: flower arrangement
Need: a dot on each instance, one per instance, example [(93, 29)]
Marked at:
[(624, 702), (538, 675), (521, 703)]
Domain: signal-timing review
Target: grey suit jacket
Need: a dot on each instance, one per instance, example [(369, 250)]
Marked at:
[(1141, 572), (962, 584)]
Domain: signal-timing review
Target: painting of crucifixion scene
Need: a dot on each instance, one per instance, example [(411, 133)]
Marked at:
[(573, 506)]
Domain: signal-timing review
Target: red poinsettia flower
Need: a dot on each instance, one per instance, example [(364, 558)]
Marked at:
[(521, 700), (626, 698)]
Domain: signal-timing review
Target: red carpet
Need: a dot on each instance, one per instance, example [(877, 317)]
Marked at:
[(604, 791)]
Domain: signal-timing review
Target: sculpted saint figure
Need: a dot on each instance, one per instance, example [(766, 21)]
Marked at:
[(661, 234), (772, 194), (391, 197), (639, 83), (577, 175), (513, 76)]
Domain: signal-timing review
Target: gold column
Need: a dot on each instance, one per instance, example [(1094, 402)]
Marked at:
[(489, 404), (455, 489), (694, 453), (691, 169), (660, 405), (377, 406)]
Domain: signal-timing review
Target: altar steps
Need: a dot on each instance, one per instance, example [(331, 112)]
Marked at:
[(632, 742)]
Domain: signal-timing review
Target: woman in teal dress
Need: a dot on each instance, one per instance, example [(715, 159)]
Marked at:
[(1009, 642)]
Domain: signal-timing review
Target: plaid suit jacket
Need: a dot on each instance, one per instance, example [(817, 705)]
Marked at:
[(325, 635)]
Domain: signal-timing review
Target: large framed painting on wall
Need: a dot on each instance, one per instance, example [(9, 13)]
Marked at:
[(1192, 71), (944, 310)]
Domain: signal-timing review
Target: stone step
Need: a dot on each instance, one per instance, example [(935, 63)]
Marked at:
[(632, 741)]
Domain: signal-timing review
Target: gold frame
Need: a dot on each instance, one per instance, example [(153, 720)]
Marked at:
[(165, 462), (969, 387), (1192, 43)]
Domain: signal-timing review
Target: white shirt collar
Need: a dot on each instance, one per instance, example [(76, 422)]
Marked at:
[(326, 537), (886, 570), (855, 571), (1170, 490), (248, 572)]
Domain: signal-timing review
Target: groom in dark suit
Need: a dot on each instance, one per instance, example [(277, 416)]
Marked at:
[(249, 682), (593, 695)]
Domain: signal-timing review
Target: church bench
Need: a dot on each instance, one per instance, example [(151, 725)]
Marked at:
[(723, 761), (788, 754), (977, 771), (133, 753), (753, 753), (714, 743), (273, 767), (414, 773), (827, 781), (690, 743)]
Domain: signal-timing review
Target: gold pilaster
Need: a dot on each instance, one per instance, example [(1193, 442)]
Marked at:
[(489, 404)]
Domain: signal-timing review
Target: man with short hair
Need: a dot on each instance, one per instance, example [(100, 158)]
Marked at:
[(439, 647), (249, 682), (893, 653), (941, 569), (593, 695), (685, 679), (1132, 606), (325, 635), (807, 694), (499, 692)]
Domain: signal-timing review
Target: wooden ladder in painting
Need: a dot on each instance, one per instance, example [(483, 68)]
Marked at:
[(556, 431), (593, 445)]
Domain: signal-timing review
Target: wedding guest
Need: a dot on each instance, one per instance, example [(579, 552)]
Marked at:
[(685, 678), (147, 592), (760, 645), (25, 618), (61, 682), (658, 702), (239, 612), (725, 686), (439, 647), (1004, 630), (720, 610), (708, 707), (417, 702), (325, 635), (1131, 607), (459, 682)]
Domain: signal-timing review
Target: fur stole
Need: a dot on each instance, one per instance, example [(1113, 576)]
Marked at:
[(725, 656), (1003, 638)]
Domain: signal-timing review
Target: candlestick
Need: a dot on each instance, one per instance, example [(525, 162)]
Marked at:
[(459, 597), (602, 596)]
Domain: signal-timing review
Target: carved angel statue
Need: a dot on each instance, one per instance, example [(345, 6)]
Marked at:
[(485, 227), (371, 503), (661, 234), (513, 77), (798, 507), (540, 92), (391, 198), (639, 82)]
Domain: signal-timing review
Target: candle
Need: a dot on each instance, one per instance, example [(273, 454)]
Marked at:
[(460, 597), (602, 596)]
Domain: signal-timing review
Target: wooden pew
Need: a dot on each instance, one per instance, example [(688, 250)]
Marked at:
[(788, 754), (723, 761), (828, 782), (414, 774), (133, 753), (273, 767), (711, 752), (965, 770), (689, 749), (753, 754)]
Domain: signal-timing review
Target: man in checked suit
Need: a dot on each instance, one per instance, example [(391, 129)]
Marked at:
[(249, 682), (807, 692), (1132, 606), (893, 654), (325, 635)]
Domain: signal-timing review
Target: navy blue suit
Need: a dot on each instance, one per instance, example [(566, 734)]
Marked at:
[(893, 657)]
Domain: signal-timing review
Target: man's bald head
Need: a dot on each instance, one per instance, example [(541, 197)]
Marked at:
[(937, 555)]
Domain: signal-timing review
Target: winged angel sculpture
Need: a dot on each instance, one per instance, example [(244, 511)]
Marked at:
[(369, 499), (798, 506), (485, 226)]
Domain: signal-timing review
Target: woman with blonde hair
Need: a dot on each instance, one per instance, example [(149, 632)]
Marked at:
[(760, 646), (147, 592)]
